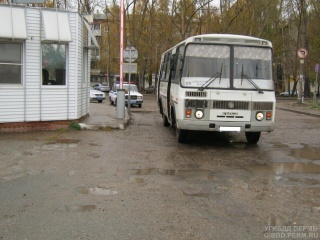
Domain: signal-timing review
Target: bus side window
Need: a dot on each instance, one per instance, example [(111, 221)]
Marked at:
[(163, 69), (167, 69), (179, 63)]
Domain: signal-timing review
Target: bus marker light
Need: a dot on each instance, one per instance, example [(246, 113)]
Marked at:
[(269, 115), (188, 113)]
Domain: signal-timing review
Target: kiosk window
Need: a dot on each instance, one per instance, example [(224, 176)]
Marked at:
[(53, 64), (11, 63)]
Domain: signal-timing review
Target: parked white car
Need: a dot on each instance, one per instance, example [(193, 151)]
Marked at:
[(135, 97), (96, 95), (287, 94)]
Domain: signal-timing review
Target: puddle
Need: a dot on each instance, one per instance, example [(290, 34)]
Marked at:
[(282, 220), (137, 180), (307, 152), (71, 143), (97, 191), (294, 173), (238, 145), (80, 208), (285, 168), (185, 174)]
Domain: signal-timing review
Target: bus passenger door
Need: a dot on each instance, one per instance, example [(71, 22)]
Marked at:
[(164, 98)]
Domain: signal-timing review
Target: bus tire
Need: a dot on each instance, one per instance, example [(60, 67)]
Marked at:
[(253, 137), (165, 121), (181, 135), (160, 107)]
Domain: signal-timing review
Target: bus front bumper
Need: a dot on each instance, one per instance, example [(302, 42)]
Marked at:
[(265, 126)]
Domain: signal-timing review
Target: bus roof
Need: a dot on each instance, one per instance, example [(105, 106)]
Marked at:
[(229, 38)]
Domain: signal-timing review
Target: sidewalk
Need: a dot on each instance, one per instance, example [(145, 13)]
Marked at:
[(103, 115), (291, 104)]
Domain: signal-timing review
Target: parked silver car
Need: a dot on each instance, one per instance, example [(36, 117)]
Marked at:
[(96, 95), (103, 87)]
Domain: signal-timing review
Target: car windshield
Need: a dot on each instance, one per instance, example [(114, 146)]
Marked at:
[(133, 87), (104, 85)]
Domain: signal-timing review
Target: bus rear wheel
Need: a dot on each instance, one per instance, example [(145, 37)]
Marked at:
[(181, 135), (253, 137)]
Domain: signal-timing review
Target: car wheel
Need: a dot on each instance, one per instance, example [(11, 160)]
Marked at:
[(100, 101), (253, 137), (111, 102), (139, 105)]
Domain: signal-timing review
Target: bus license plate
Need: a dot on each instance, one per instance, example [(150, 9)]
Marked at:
[(230, 129)]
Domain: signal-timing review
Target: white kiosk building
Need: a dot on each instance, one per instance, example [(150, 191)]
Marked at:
[(44, 67)]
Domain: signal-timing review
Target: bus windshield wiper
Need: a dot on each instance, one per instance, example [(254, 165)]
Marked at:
[(250, 80), (210, 80)]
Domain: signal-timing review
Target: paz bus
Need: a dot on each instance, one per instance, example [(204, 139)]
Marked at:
[(218, 82)]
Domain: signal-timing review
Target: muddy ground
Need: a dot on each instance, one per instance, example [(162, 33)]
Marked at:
[(139, 183)]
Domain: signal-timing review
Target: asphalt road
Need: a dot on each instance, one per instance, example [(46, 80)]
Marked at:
[(139, 183)]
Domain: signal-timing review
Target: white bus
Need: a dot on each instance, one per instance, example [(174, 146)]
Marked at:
[(218, 82)]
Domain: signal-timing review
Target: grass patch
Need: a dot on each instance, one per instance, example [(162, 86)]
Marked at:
[(75, 126)]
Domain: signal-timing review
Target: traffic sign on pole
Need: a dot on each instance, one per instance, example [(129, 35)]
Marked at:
[(302, 53), (130, 54), (317, 67)]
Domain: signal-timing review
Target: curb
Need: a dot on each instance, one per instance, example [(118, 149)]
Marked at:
[(300, 112), (117, 124)]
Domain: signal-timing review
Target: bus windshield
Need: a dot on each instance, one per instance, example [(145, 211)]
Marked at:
[(204, 62), (253, 66), (208, 66)]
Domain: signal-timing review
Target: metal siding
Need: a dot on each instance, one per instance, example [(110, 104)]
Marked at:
[(33, 102), (72, 61), (32, 66), (11, 105)]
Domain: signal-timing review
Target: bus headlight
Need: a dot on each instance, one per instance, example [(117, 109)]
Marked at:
[(259, 116), (199, 114)]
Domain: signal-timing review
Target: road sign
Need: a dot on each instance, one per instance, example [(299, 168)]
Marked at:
[(130, 68), (130, 54), (317, 67), (302, 53)]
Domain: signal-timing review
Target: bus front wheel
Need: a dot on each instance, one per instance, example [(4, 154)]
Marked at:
[(181, 135), (253, 137)]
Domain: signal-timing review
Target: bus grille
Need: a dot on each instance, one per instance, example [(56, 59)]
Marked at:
[(196, 94), (262, 106), (240, 105)]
